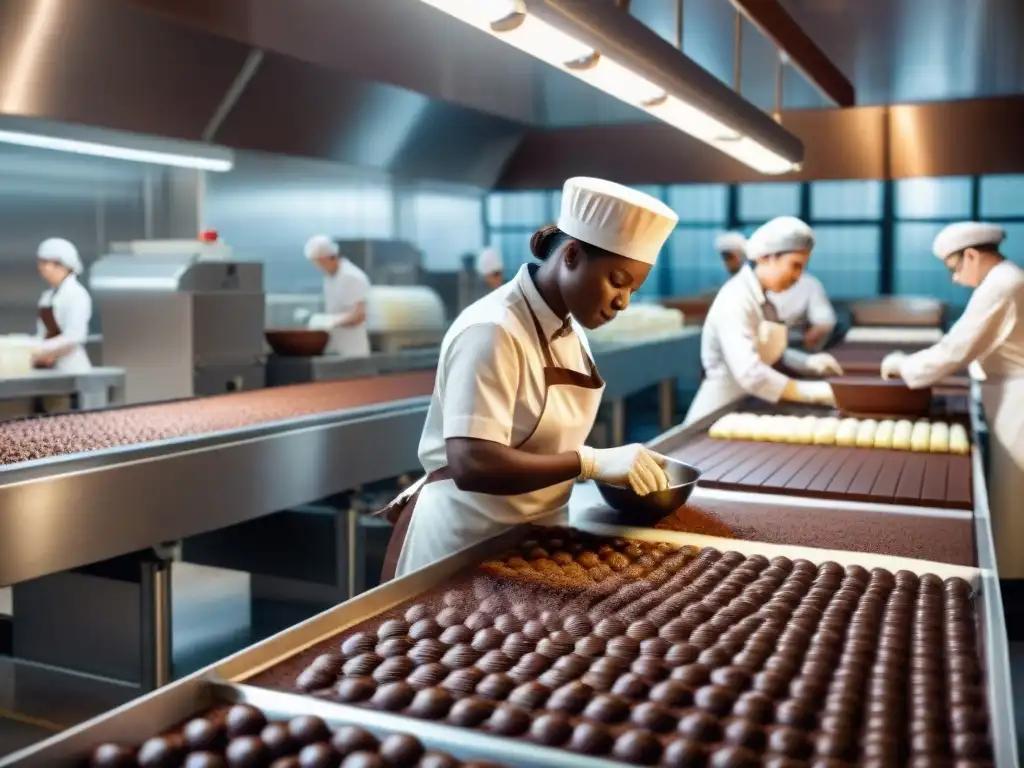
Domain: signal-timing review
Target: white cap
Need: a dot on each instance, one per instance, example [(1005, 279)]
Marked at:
[(783, 234), (966, 234), (731, 242), (615, 218), (60, 250), (320, 245), (488, 261)]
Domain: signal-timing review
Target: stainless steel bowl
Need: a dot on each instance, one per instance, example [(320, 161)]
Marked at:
[(643, 510)]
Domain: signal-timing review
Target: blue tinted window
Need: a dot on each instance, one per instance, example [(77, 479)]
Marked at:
[(1013, 246), (694, 264), (699, 202), (917, 271), (522, 209), (846, 199), (1002, 196), (948, 198), (760, 202), (847, 260), (514, 248)]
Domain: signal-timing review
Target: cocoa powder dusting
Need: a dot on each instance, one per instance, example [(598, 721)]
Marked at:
[(692, 519)]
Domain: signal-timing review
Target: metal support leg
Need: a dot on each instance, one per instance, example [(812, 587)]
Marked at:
[(618, 421), (156, 653), (667, 404), (356, 567)]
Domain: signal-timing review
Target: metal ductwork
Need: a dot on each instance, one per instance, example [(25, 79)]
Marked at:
[(110, 64)]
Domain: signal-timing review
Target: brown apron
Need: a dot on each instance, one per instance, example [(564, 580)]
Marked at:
[(399, 512), (49, 321)]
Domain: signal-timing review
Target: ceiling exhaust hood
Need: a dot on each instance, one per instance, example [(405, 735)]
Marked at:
[(602, 45)]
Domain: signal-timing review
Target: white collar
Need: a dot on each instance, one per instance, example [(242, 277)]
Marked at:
[(748, 275), (551, 324)]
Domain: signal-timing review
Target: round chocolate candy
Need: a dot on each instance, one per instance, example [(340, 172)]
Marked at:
[(456, 635), (363, 664), (693, 675), (352, 689), (204, 760), (307, 729), (684, 753), (552, 729), (681, 654), (653, 717), (243, 720), (112, 756), (529, 695), (508, 720), (733, 757), (470, 712), (277, 739), (610, 627), (393, 696), (360, 642), (425, 628), (650, 668), (245, 752), (463, 681), (638, 747), (591, 739), (672, 693), (201, 734), (700, 726), (393, 646), (318, 755), (607, 708), (570, 698), (162, 751), (428, 675), (351, 738), (631, 686), (393, 669), (715, 699), (577, 625)]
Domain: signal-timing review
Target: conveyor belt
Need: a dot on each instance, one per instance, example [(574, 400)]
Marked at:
[(852, 474), (218, 461)]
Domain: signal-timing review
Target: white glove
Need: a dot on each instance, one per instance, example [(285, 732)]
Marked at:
[(823, 364), (891, 365), (629, 464), (322, 322), (813, 392), (301, 315)]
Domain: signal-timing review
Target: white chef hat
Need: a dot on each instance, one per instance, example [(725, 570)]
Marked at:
[(488, 261), (731, 242), (615, 218), (320, 245), (966, 234), (780, 235), (62, 251)]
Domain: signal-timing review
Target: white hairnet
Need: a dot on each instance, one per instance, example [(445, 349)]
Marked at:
[(966, 234), (320, 245), (488, 261), (780, 235), (731, 242), (62, 251)]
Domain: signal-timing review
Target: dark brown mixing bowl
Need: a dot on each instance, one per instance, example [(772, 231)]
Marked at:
[(297, 342), (874, 396)]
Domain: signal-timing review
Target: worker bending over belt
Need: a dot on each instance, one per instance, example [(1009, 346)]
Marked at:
[(990, 335), (743, 337), (517, 390), (806, 305)]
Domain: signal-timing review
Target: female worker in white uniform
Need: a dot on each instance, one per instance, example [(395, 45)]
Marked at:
[(990, 333), (806, 304), (743, 338), (65, 309), (731, 246), (490, 268), (345, 290), (517, 391)]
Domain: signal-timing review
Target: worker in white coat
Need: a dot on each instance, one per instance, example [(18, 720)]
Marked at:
[(743, 336), (806, 306), (731, 246), (490, 268), (346, 287), (65, 309), (989, 333), (517, 390)]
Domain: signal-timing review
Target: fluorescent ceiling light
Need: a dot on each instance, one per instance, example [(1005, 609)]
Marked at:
[(60, 144), (511, 22)]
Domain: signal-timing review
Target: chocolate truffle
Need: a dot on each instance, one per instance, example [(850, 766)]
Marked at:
[(307, 729), (570, 698), (672, 693), (591, 645), (610, 627), (733, 678), (393, 646), (243, 720), (463, 681), (319, 755), (714, 698), (360, 642), (529, 695), (162, 751), (434, 760), (201, 734), (591, 739), (516, 645), (699, 726), (459, 656), (113, 756), (607, 708), (495, 686), (494, 661), (655, 647), (508, 721), (204, 760), (479, 620), (693, 675), (631, 686), (393, 696), (552, 729), (682, 653), (361, 665), (393, 669), (638, 747), (426, 651), (352, 738), (534, 629), (507, 623), (424, 628), (277, 739), (470, 712), (683, 753), (431, 703), (244, 752), (352, 689), (577, 625), (733, 757), (623, 647), (450, 617), (487, 639), (653, 717), (795, 712), (456, 635), (428, 675)]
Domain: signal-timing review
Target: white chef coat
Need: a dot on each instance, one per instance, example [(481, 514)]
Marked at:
[(991, 333), (72, 311), (806, 302), (729, 349), (343, 290)]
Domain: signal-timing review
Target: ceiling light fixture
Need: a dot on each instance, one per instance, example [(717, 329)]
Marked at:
[(613, 52), (41, 134)]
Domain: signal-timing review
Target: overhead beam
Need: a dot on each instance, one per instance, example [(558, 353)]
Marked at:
[(775, 23)]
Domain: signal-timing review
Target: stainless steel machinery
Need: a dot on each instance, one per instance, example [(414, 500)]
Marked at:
[(181, 317)]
